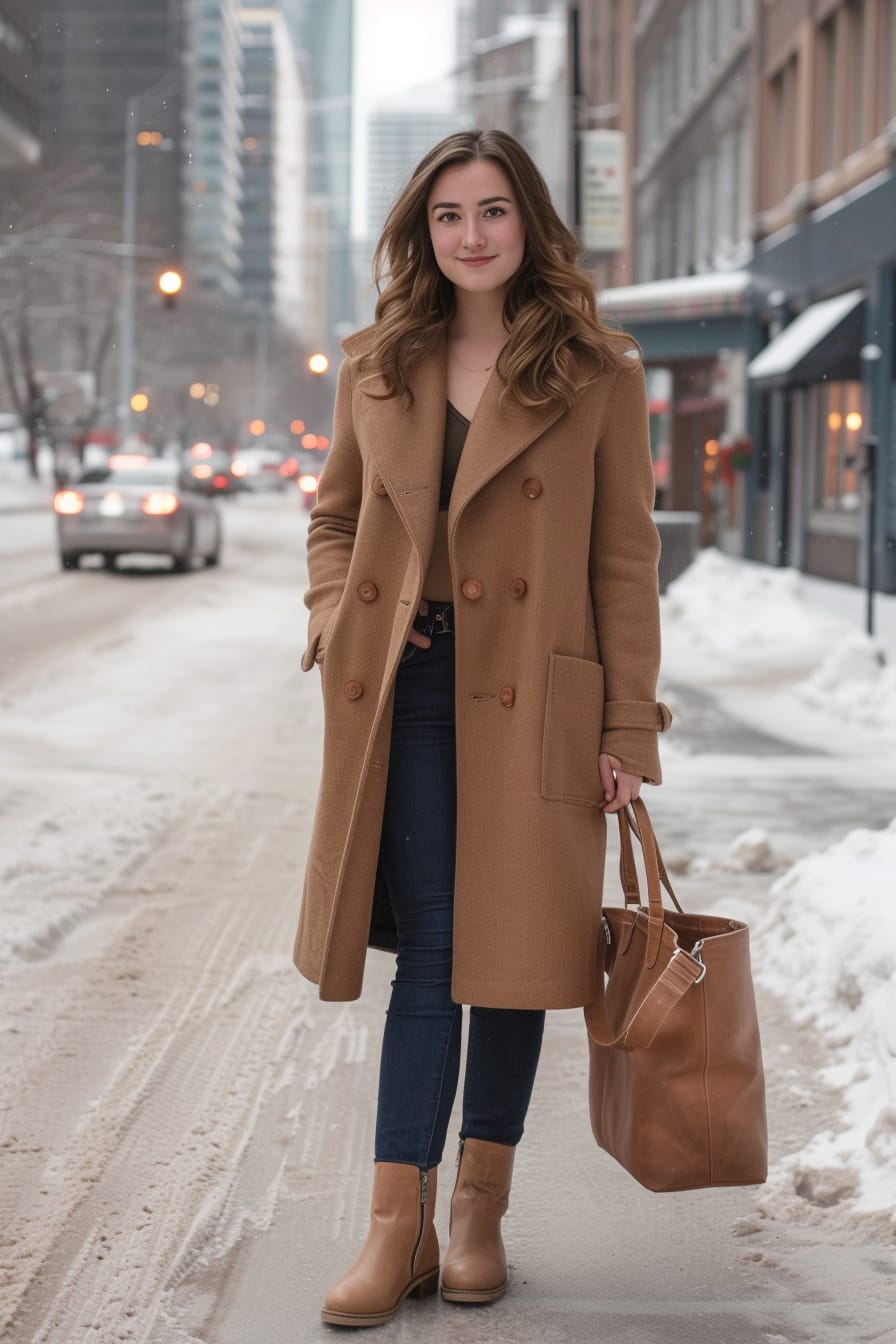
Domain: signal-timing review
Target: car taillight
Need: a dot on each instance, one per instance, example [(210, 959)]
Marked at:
[(289, 467), (308, 483), (220, 482), (160, 503), (68, 501)]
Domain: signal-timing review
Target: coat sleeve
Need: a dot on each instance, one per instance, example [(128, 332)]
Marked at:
[(334, 522), (625, 549)]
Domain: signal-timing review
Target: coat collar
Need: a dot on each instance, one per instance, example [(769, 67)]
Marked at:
[(407, 444)]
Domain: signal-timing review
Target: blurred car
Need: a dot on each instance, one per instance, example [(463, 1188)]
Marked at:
[(210, 469), (136, 504), (260, 469)]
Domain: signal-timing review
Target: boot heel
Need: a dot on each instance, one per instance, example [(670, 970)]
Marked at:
[(426, 1286)]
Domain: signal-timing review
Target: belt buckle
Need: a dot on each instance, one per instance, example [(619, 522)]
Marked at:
[(442, 619)]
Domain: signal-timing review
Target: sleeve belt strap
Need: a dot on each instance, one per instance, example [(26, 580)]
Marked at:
[(637, 714)]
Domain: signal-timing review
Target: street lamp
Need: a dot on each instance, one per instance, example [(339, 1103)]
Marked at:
[(870, 356), (318, 363), (126, 305), (170, 284)]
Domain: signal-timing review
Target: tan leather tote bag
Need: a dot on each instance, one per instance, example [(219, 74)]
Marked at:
[(677, 1091)]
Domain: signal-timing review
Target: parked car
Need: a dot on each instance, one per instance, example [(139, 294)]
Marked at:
[(259, 469), (136, 504)]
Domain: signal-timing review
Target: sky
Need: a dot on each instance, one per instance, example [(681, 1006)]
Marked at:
[(403, 53)]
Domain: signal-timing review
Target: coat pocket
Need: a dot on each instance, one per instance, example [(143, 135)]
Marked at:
[(573, 724)]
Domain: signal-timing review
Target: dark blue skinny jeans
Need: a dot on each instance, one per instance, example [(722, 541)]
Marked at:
[(420, 1060)]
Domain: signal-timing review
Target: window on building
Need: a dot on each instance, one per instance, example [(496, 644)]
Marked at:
[(745, 180), (726, 191), (684, 229), (686, 53), (706, 40), (615, 49), (705, 228), (824, 150), (886, 64), (780, 163), (855, 129), (838, 432), (670, 61), (646, 258)]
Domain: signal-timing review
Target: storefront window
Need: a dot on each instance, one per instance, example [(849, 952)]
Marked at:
[(838, 420)]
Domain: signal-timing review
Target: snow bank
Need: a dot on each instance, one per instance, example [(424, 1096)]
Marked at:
[(735, 618), (748, 615), (828, 945), (855, 683)]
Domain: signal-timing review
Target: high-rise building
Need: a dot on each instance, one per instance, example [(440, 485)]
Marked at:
[(95, 55), (212, 187), (274, 245), (19, 84), (325, 32), (397, 138)]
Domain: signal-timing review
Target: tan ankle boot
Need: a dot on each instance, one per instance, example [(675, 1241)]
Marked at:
[(400, 1257), (475, 1268)]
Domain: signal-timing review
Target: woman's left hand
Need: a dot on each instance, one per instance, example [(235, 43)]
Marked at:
[(619, 787)]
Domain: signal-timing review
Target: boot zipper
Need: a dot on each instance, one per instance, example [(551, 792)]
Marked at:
[(424, 1183), (460, 1151)]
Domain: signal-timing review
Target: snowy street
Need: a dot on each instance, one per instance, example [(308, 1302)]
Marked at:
[(185, 1131)]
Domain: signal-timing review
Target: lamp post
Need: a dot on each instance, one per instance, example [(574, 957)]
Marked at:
[(126, 303), (870, 356)]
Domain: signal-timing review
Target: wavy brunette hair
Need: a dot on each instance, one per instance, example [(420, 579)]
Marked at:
[(549, 308)]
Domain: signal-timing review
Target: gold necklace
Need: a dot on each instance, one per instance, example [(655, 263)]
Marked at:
[(487, 368)]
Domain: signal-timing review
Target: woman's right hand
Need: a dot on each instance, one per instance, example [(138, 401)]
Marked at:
[(414, 636)]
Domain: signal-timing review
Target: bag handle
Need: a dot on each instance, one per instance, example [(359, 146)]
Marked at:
[(628, 873), (683, 970), (656, 917)]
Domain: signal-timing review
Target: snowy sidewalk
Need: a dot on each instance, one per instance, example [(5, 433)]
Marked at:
[(788, 655), (19, 493)]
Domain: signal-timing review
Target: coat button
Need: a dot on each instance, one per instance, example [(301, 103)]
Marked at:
[(506, 696), (379, 486), (353, 690), (518, 588), (472, 589), (368, 592), (532, 487)]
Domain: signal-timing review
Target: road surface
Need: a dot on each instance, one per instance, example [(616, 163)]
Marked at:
[(186, 1130)]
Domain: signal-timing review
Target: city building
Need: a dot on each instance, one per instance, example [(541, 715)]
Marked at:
[(682, 98), (520, 85), (397, 138), (604, 93), (325, 34), (95, 56), (825, 249), (213, 176), (274, 244), (19, 83)]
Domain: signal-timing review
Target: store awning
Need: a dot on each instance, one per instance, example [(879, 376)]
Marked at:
[(824, 341), (684, 297)]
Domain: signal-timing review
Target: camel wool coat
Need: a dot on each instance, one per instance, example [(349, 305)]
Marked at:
[(554, 561)]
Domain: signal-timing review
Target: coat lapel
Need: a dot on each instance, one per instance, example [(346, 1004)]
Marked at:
[(407, 445), (493, 440)]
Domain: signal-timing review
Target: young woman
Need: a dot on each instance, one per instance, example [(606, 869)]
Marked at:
[(484, 608)]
